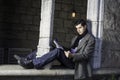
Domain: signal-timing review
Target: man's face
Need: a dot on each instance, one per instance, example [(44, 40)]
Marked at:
[(80, 29)]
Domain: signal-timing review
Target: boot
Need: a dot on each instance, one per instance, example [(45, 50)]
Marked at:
[(27, 64)]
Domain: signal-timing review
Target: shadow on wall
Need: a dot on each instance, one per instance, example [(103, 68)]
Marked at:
[(89, 26), (96, 60)]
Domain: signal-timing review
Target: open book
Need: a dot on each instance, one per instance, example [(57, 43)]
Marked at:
[(60, 47), (57, 45)]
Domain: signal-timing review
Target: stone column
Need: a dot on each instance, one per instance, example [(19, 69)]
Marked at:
[(46, 26), (95, 10)]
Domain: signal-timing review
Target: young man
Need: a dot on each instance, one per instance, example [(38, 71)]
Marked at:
[(78, 56)]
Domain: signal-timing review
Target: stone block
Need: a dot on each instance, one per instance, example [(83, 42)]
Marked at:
[(16, 27), (36, 3), (31, 11), (26, 19), (32, 35), (2, 34), (61, 30), (60, 36), (25, 3), (63, 15), (68, 23), (38, 12), (67, 8), (36, 20), (80, 3), (58, 6), (58, 22), (16, 35), (56, 14), (21, 10), (69, 37), (1, 55), (58, 1), (29, 28), (81, 9), (66, 1)]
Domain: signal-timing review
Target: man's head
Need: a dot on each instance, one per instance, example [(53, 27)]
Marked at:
[(80, 26)]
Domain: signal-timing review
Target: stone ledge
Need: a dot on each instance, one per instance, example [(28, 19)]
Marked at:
[(107, 71), (16, 70)]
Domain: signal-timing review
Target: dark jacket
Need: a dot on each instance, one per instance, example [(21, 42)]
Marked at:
[(83, 55)]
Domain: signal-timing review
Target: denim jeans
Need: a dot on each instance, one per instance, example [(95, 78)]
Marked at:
[(49, 57)]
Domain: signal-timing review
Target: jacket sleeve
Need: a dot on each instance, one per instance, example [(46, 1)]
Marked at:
[(86, 51)]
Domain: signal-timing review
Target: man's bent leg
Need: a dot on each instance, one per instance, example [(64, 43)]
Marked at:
[(65, 61), (26, 62), (32, 55), (45, 59), (49, 57)]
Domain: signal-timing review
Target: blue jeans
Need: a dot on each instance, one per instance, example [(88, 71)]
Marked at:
[(49, 57)]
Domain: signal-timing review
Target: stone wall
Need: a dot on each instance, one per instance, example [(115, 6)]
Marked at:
[(19, 27), (19, 23), (63, 22), (111, 34)]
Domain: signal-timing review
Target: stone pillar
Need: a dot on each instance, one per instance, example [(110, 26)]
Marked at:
[(111, 32), (46, 26), (95, 10)]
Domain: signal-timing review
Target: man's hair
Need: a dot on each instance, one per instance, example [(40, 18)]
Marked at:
[(80, 21)]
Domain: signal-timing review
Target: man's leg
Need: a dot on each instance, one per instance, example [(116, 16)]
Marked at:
[(65, 61), (32, 55), (26, 62), (52, 55)]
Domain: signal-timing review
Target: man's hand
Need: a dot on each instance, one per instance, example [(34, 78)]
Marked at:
[(67, 53)]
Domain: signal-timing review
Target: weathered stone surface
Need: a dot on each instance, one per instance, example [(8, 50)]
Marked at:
[(111, 34)]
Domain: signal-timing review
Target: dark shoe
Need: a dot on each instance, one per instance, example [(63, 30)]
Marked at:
[(27, 64)]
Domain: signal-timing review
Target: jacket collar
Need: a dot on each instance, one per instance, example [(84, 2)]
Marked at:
[(84, 40)]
